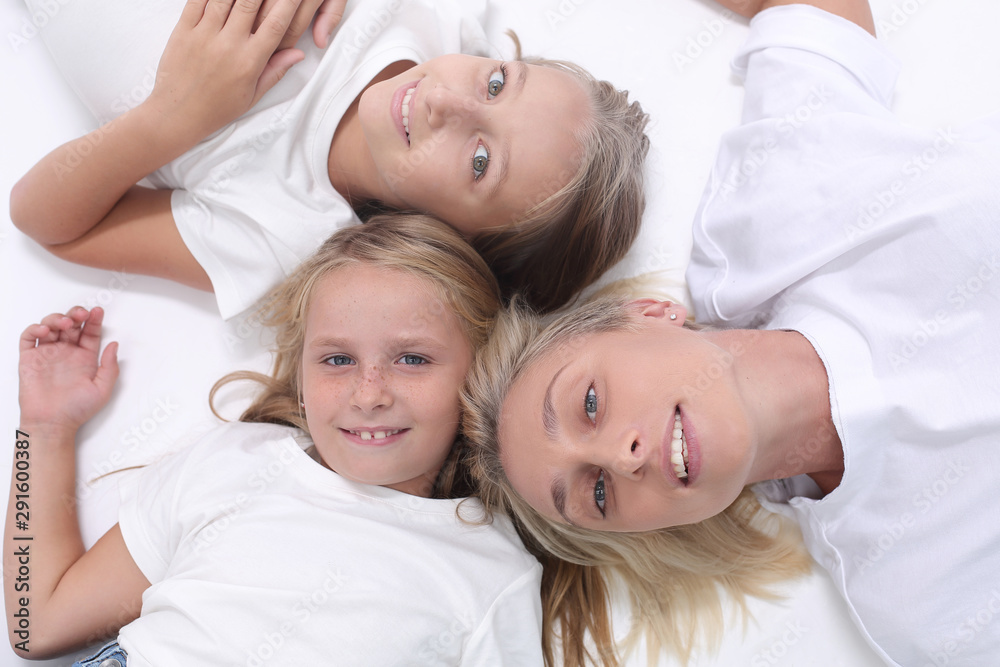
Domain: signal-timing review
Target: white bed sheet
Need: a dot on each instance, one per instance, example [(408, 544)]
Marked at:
[(672, 56)]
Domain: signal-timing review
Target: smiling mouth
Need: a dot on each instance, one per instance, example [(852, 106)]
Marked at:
[(375, 435), (405, 112), (679, 448)]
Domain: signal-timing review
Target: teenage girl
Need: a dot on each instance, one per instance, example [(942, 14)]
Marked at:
[(322, 527), (535, 161)]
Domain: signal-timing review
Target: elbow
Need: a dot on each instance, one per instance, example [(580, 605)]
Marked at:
[(32, 218), (35, 643), (19, 208)]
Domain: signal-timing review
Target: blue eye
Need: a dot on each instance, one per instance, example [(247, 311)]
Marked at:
[(590, 404), (339, 360), (480, 160), (412, 360), (495, 84), (600, 493)]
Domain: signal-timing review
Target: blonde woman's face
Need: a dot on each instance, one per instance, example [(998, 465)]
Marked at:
[(383, 362), (629, 431), (473, 141)]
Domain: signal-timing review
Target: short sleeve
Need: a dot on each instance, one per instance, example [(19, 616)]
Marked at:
[(801, 61), (511, 632), (150, 525), (241, 257)]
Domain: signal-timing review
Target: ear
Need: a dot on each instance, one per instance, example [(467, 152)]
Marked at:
[(670, 312)]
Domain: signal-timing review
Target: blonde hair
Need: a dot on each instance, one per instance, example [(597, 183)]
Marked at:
[(415, 244), (572, 236), (673, 576)]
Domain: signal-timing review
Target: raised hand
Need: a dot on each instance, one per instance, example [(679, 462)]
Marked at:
[(323, 14), (62, 385), (216, 65)]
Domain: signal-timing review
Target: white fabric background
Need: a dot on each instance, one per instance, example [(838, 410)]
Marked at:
[(673, 56)]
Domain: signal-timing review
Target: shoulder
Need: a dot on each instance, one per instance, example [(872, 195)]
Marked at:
[(229, 446)]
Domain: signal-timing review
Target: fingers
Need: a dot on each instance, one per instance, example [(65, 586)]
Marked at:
[(274, 26), (276, 68), (76, 326), (90, 332), (327, 18), (107, 373), (192, 13)]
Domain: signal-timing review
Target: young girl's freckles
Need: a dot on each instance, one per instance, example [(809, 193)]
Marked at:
[(387, 411)]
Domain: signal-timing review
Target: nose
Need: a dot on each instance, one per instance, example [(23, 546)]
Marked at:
[(372, 390), (445, 107), (629, 456)]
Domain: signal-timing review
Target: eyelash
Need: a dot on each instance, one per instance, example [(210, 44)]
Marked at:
[(422, 359), (589, 408), (601, 485), (481, 151)]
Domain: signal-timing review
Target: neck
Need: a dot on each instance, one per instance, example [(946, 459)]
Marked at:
[(795, 431), (349, 164), (349, 161)]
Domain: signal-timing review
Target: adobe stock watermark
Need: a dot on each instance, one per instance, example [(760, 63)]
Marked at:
[(960, 296), (912, 169), (364, 33), (131, 439), (923, 502), (779, 648), (272, 642), (223, 175), (900, 15), (697, 45), (757, 156), (445, 647), (978, 619), (259, 481), (45, 11), (562, 12), (119, 281)]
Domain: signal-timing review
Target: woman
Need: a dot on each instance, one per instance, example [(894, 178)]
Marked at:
[(863, 393)]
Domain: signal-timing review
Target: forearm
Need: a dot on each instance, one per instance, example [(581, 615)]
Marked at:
[(42, 534), (857, 11), (74, 187)]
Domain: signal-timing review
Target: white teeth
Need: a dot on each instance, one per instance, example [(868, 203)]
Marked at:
[(375, 435), (678, 448), (406, 110)]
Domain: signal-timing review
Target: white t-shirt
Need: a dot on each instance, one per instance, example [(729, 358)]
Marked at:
[(257, 554), (255, 199), (881, 244)]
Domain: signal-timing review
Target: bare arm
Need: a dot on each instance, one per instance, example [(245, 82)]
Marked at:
[(212, 71), (857, 11), (59, 597)]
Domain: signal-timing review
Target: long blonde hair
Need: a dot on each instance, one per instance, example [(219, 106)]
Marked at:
[(673, 576), (412, 243)]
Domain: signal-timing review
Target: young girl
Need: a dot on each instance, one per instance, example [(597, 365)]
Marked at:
[(536, 161), (324, 526)]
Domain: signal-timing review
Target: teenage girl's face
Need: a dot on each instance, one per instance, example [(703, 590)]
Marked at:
[(383, 362), (588, 433), (473, 141)]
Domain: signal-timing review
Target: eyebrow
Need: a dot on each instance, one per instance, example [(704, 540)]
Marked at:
[(521, 76), (402, 342), (559, 499), (549, 420)]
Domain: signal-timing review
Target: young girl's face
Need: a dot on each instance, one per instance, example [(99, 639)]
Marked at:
[(473, 141), (383, 362)]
